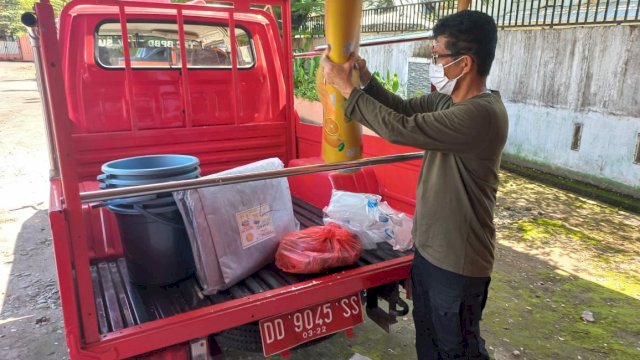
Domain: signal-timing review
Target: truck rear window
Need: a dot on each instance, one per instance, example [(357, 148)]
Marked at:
[(157, 45)]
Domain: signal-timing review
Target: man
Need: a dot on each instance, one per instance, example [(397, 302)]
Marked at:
[(463, 128)]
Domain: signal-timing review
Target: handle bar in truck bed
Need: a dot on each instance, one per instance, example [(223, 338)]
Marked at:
[(118, 193)]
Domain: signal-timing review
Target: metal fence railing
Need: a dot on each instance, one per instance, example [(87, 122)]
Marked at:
[(507, 13), (9, 48), (525, 13), (411, 17)]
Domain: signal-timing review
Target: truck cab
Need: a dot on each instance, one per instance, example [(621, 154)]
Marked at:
[(212, 80)]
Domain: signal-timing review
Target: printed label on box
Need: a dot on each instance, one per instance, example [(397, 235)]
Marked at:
[(255, 225)]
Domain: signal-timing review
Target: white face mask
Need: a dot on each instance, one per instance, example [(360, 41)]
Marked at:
[(443, 84)]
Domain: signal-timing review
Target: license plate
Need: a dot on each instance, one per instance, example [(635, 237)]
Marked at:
[(283, 332)]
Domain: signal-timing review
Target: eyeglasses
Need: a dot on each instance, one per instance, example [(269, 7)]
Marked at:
[(435, 57)]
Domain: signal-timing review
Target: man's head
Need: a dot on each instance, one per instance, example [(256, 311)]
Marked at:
[(470, 33)]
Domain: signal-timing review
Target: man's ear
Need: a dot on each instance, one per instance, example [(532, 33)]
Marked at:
[(468, 64)]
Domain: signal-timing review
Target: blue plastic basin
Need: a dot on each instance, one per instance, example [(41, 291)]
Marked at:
[(151, 165)]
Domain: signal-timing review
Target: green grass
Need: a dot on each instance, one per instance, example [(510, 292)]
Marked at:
[(545, 230), (541, 314)]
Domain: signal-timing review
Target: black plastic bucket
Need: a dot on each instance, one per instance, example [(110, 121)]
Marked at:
[(156, 246)]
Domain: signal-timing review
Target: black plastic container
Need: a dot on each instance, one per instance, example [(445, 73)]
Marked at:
[(156, 245)]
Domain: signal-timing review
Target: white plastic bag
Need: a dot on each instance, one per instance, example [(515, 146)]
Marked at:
[(369, 218), (402, 224)]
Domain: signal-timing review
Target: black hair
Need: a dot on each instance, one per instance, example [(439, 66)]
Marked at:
[(472, 33)]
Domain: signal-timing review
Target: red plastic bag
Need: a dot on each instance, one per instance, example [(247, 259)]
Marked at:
[(317, 249)]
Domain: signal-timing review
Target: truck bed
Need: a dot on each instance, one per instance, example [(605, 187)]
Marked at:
[(120, 304)]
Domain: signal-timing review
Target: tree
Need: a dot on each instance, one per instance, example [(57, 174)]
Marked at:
[(10, 18), (302, 9), (376, 4), (58, 5), (11, 10)]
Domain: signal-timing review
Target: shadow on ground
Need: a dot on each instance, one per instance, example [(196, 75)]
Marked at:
[(31, 306)]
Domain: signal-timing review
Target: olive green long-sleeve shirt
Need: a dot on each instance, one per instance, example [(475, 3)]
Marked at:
[(453, 221)]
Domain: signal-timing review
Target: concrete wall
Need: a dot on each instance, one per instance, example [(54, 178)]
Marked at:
[(553, 78), (418, 83), (392, 57), (543, 135), (581, 69), (395, 57)]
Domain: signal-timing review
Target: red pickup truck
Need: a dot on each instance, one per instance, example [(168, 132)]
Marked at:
[(129, 78)]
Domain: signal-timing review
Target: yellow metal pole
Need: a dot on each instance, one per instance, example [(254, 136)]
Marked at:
[(341, 137)]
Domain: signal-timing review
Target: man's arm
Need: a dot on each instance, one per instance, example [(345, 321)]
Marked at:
[(462, 129), (339, 76), (408, 107)]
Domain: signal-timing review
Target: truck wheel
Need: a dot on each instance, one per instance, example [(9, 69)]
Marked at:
[(247, 338)]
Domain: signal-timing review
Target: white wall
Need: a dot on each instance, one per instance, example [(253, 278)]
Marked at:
[(582, 69), (393, 57), (544, 135), (554, 78)]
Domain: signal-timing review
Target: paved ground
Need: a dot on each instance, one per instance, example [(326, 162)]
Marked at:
[(30, 318), (559, 255)]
